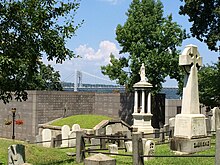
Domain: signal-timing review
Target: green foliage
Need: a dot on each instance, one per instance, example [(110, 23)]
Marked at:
[(209, 89), (30, 29), (146, 37), (204, 16), (45, 79), (85, 121)]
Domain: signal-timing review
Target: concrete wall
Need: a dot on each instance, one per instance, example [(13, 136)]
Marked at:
[(171, 108), (25, 111), (107, 104), (44, 106)]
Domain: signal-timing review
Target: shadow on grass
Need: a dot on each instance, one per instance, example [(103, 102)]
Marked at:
[(58, 162)]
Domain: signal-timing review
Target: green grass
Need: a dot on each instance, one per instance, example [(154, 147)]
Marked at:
[(38, 155), (85, 121)]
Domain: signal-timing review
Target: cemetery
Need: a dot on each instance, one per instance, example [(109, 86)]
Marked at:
[(189, 138)]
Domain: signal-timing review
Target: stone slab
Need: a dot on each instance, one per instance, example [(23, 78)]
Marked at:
[(99, 159), (189, 146)]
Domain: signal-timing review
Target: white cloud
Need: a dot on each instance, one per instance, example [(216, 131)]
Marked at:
[(102, 54), (114, 2)]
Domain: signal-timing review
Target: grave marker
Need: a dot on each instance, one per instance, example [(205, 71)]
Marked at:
[(149, 149), (65, 130), (46, 136), (190, 127), (16, 154)]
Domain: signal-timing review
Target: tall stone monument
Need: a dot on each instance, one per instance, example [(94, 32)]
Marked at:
[(190, 134), (142, 108)]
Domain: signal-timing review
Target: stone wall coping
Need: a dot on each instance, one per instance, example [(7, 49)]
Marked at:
[(44, 126)]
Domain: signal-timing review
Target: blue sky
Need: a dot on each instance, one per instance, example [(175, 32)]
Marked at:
[(95, 40)]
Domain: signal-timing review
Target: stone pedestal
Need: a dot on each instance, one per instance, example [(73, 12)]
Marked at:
[(190, 134), (190, 126), (142, 122), (188, 146), (142, 104)]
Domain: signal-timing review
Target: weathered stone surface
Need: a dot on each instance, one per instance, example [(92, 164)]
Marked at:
[(76, 127), (72, 139), (95, 142), (149, 149), (128, 145), (190, 126), (46, 136), (108, 130), (113, 148), (215, 119), (65, 130), (16, 154), (189, 146), (99, 159), (142, 104)]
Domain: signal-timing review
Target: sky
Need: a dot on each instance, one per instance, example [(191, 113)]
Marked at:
[(95, 40)]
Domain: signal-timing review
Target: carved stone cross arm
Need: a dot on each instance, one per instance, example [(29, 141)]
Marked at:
[(190, 56)]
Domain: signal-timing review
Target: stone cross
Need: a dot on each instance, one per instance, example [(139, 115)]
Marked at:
[(142, 73), (190, 59)]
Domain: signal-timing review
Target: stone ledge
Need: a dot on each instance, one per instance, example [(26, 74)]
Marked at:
[(188, 146)]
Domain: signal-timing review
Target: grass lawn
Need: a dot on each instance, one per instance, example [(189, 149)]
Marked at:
[(85, 121), (38, 155)]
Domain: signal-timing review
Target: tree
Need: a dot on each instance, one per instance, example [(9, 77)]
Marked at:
[(45, 79), (209, 89), (205, 16), (30, 29), (147, 37)]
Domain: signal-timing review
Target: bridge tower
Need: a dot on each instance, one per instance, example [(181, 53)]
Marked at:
[(78, 80)]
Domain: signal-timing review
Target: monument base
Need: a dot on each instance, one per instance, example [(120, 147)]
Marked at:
[(190, 126), (188, 146), (142, 122)]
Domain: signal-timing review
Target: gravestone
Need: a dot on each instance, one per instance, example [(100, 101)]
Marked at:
[(95, 143), (108, 130), (65, 130), (76, 127), (16, 154), (167, 129), (99, 130), (149, 149), (38, 139), (72, 134), (172, 122), (99, 159), (190, 133), (171, 126), (58, 142), (215, 119), (128, 146), (72, 140), (46, 136), (113, 148), (144, 140)]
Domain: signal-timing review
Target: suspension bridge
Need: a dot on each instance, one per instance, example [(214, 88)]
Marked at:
[(78, 85)]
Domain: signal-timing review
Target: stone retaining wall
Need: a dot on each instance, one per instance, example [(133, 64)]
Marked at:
[(44, 106)]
